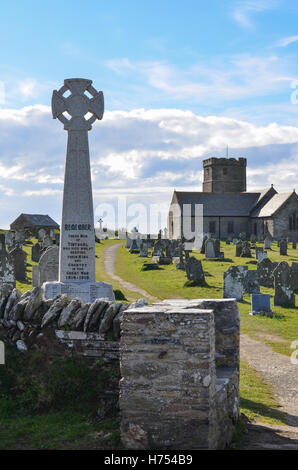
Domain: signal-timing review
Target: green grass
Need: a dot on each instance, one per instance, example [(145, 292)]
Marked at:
[(257, 400), (169, 282)]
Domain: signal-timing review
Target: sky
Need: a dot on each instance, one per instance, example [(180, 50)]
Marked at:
[(182, 81)]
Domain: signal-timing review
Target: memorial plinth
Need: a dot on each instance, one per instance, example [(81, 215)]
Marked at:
[(77, 240)]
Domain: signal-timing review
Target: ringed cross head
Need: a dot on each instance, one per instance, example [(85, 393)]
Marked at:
[(77, 104)]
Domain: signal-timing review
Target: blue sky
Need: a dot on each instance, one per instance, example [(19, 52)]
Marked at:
[(181, 80)]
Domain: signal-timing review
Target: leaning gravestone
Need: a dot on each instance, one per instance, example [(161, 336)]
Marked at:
[(203, 247), (19, 258), (7, 275), (35, 252), (284, 294), (48, 266), (77, 244), (233, 283), (194, 271)]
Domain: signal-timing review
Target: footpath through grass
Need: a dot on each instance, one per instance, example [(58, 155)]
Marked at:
[(170, 282)]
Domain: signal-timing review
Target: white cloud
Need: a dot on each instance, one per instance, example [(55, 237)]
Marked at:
[(244, 10), (225, 79), (142, 154), (288, 40)]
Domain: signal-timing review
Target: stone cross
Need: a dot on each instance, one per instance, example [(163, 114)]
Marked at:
[(77, 243)]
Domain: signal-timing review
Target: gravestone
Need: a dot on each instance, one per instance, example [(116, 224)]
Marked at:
[(203, 247), (259, 249), (48, 266), (233, 283), (228, 242), (7, 274), (235, 241), (128, 243), (283, 247), (238, 248), (47, 241), (265, 272), (9, 238), (144, 250), (36, 252), (20, 238), (194, 271), (19, 258), (284, 294), (246, 253), (210, 248), (134, 247), (294, 277), (41, 234), (262, 255), (158, 249), (267, 243), (181, 264), (294, 245), (260, 304), (35, 276), (77, 243), (253, 238), (57, 238), (251, 282)]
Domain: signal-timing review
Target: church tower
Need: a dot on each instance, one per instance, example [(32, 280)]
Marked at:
[(224, 175)]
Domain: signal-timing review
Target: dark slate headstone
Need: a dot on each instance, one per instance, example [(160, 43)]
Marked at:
[(19, 257), (294, 245), (36, 252), (284, 294), (238, 248), (246, 253), (265, 272), (260, 303), (7, 275), (283, 247), (134, 248), (194, 271), (294, 277), (251, 282)]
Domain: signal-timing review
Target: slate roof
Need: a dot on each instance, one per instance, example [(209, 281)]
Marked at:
[(220, 204), (272, 205), (41, 220)]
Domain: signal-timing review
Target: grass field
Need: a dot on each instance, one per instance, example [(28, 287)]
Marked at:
[(169, 282)]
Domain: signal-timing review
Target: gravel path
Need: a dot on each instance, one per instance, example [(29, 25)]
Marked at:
[(283, 375), (109, 260)]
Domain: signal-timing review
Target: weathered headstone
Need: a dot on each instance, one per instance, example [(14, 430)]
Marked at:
[(251, 282), (246, 253), (7, 273), (194, 271), (283, 247), (48, 265), (265, 272), (210, 248), (284, 294), (41, 234), (144, 250), (9, 238), (19, 258), (20, 237), (294, 277), (134, 247), (294, 245), (239, 245), (36, 252), (77, 243), (267, 243), (259, 249), (233, 283), (262, 255)]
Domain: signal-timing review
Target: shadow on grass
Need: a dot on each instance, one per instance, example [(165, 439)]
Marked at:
[(221, 260), (119, 295), (151, 267), (197, 284), (264, 410)]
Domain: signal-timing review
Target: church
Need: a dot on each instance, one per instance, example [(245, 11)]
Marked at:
[(229, 209)]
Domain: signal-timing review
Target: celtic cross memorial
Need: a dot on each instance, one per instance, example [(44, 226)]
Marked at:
[(77, 105)]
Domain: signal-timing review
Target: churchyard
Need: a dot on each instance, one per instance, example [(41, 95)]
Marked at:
[(257, 396)]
